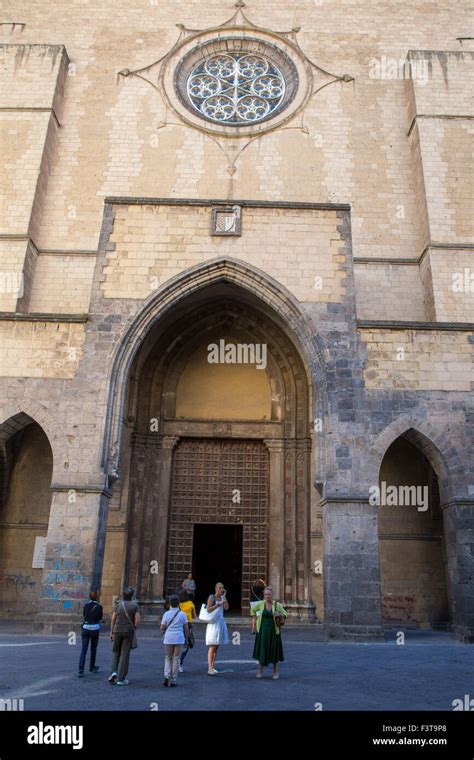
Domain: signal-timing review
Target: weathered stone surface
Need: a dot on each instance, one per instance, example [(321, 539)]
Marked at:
[(354, 268)]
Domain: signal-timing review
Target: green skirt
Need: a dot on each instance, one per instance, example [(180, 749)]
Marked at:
[(268, 648)]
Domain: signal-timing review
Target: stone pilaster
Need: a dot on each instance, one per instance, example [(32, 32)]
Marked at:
[(164, 463), (74, 553), (289, 525), (459, 533), (352, 602), (276, 516), (148, 527)]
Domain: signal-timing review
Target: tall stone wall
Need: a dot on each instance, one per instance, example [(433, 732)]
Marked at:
[(356, 230)]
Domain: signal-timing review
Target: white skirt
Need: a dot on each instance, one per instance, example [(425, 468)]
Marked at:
[(216, 633)]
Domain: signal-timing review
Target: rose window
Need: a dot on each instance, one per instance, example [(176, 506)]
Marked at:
[(236, 88)]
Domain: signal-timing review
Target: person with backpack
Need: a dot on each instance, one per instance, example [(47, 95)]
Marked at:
[(92, 615), (174, 625)]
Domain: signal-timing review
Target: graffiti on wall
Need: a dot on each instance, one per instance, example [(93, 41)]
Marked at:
[(18, 581), (61, 580), (398, 608)]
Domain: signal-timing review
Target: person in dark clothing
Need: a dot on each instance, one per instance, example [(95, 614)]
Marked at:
[(92, 614), (125, 621)]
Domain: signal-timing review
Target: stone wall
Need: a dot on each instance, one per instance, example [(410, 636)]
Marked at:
[(357, 216)]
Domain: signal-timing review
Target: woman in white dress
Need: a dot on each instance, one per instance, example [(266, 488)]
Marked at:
[(216, 632)]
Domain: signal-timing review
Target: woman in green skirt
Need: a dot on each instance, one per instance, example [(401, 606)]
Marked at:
[(268, 647)]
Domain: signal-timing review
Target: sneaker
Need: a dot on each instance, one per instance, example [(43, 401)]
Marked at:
[(166, 682), (212, 672), (113, 678), (125, 682), (181, 669), (80, 674), (95, 669), (172, 684)]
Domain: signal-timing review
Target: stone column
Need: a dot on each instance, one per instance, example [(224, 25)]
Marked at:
[(351, 569), (137, 480), (74, 554), (162, 488), (306, 609), (458, 519), (276, 516), (290, 526)]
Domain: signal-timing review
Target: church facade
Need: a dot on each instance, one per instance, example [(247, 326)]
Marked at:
[(237, 309)]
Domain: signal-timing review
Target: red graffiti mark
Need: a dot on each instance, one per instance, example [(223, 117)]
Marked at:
[(398, 607)]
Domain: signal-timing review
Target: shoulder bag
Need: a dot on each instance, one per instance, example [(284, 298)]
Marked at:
[(279, 618), (207, 617), (134, 634), (173, 618)]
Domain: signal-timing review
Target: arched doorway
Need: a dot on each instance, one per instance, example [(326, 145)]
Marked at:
[(25, 502), (221, 442), (413, 561)]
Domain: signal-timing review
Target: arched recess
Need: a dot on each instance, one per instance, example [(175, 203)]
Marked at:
[(222, 300), (252, 283), (433, 442), (413, 554), (26, 466)]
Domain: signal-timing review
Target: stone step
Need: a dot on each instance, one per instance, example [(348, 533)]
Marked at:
[(242, 622)]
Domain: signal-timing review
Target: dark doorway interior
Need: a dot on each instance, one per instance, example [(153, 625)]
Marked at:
[(217, 556)]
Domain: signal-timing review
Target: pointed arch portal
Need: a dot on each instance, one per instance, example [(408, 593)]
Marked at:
[(221, 442)]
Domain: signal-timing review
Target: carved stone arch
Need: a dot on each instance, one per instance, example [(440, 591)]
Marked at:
[(440, 580), (233, 298), (14, 424), (160, 377), (249, 280), (190, 342), (432, 442), (18, 415)]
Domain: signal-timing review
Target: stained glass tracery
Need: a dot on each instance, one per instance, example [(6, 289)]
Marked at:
[(236, 88)]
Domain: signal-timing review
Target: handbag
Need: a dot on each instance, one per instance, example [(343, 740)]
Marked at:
[(279, 618), (207, 617), (134, 643), (191, 640)]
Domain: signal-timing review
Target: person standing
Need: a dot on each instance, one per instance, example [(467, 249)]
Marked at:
[(189, 585), (268, 648), (216, 632), (92, 615), (125, 621), (174, 624), (187, 606)]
